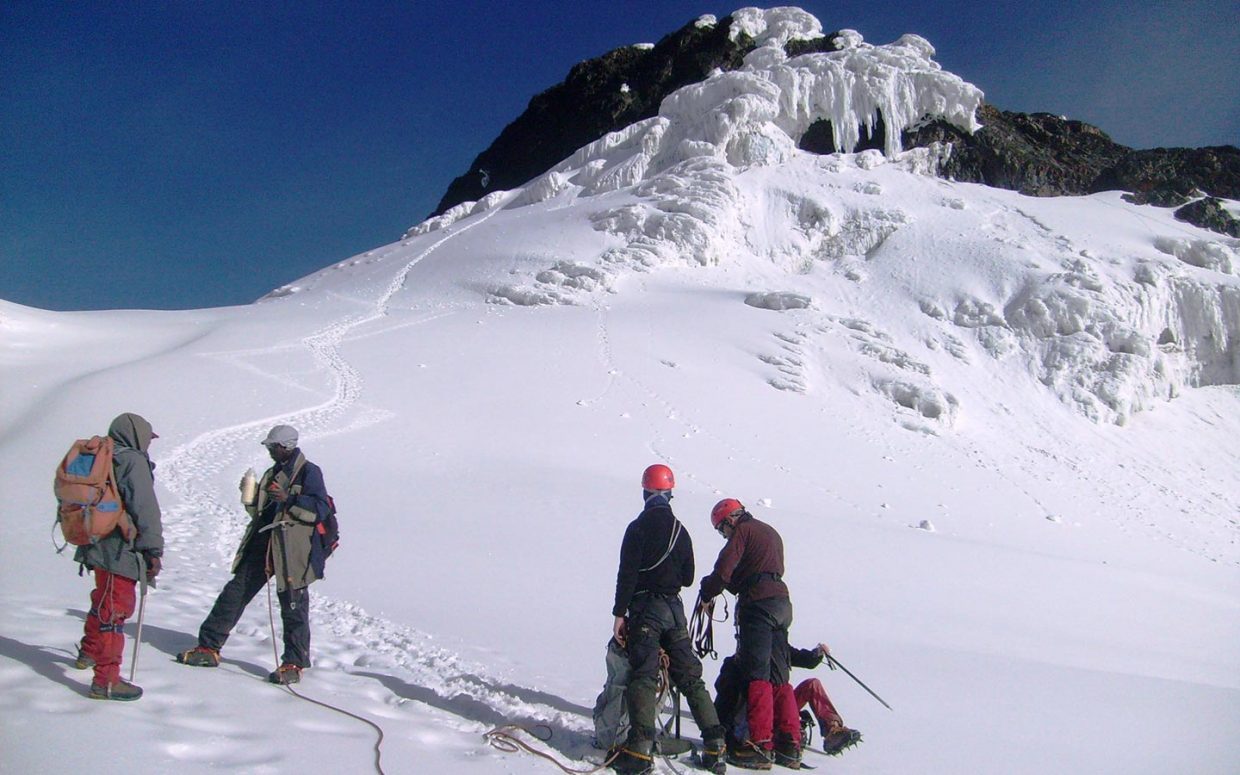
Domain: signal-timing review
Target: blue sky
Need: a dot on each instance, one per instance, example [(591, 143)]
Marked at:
[(190, 154)]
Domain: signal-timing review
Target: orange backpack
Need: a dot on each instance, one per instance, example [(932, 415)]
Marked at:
[(89, 505)]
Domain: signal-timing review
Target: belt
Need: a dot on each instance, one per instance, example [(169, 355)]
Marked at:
[(753, 580), (654, 593)]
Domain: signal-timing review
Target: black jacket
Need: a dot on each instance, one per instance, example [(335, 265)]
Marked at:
[(646, 541), (731, 685)]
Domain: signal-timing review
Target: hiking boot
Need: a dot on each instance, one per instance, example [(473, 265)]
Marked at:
[(839, 739), (749, 756), (634, 759), (121, 691), (84, 661), (285, 674), (200, 656), (788, 753), (713, 752)]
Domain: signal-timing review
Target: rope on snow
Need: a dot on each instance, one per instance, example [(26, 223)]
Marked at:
[(271, 615)]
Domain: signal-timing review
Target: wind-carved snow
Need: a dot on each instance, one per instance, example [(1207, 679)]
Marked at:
[(1206, 254), (778, 300), (1109, 345)]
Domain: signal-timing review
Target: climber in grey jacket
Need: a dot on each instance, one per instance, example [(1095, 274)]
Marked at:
[(119, 563)]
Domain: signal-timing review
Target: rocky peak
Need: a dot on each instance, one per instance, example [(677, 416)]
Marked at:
[(1038, 154), (598, 96)]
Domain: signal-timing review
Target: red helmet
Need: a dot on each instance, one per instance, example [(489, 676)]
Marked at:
[(725, 509), (658, 477)]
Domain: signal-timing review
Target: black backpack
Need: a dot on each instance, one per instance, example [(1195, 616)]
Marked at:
[(324, 539)]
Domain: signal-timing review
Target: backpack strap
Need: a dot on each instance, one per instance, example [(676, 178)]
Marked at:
[(129, 530), (298, 469), (298, 465), (677, 528)]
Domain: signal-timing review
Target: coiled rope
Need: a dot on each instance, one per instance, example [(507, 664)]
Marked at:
[(504, 737), (702, 626)]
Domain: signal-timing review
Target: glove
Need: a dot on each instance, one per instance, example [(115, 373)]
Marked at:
[(154, 563), (276, 493)]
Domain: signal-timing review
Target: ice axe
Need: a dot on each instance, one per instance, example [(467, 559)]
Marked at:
[(833, 663), (137, 641)]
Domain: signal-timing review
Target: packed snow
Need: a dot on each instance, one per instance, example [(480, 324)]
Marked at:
[(997, 433)]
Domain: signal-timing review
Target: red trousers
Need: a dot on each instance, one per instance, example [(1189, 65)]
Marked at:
[(811, 692), (111, 603), (772, 709)]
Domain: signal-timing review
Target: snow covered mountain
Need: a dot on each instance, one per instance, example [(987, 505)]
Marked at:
[(1040, 154), (998, 434)]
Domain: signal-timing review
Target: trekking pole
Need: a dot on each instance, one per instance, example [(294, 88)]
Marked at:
[(137, 641), (834, 663)]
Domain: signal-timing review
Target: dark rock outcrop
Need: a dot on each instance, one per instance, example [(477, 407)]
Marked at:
[(599, 96), (1044, 155), (1172, 195), (1038, 154), (1214, 170), (1209, 213)]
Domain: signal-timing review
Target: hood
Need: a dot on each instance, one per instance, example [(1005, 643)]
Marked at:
[(656, 500), (131, 430)]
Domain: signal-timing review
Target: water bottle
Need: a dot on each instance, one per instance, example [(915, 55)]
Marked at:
[(249, 487)]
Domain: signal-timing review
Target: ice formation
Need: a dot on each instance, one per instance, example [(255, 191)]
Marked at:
[(756, 115), (699, 185)]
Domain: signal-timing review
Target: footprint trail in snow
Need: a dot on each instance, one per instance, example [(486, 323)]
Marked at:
[(346, 638)]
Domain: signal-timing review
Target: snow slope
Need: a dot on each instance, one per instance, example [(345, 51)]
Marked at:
[(997, 433)]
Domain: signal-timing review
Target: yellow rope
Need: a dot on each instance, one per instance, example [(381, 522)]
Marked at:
[(504, 738)]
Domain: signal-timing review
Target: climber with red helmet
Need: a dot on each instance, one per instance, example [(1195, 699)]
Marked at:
[(751, 566), (656, 561)]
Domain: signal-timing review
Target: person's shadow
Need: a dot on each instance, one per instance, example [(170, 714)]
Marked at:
[(569, 742), (161, 639), (54, 664)]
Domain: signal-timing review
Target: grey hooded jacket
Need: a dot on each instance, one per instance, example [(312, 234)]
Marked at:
[(135, 481)]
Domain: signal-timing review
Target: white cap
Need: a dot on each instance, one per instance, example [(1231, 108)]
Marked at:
[(283, 435)]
